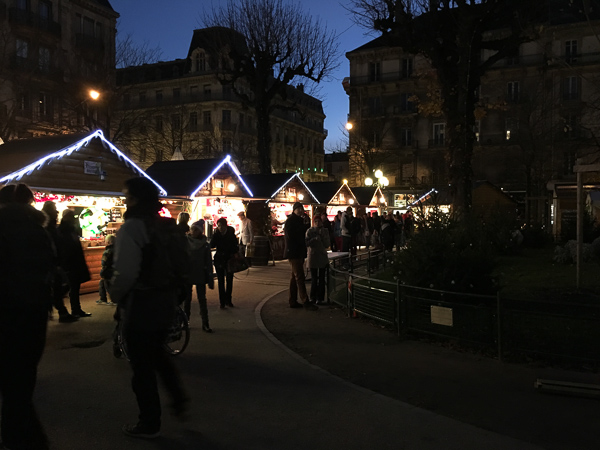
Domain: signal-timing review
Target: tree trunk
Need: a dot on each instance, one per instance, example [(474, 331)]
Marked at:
[(263, 139)]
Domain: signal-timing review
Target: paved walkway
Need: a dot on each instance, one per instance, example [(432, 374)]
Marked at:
[(252, 392)]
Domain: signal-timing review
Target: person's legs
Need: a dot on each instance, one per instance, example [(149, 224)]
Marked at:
[(143, 348), (229, 291), (201, 293), (102, 291), (293, 293), (221, 282), (22, 341), (314, 285), (298, 274), (187, 301), (320, 284)]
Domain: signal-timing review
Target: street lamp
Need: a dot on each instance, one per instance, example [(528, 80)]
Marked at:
[(94, 94), (368, 181), (382, 181), (349, 126)]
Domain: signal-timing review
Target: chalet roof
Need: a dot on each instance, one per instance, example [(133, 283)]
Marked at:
[(267, 186), (364, 194), (25, 157), (324, 190), (184, 178)]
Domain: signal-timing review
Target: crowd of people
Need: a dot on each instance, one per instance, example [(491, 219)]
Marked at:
[(147, 269)]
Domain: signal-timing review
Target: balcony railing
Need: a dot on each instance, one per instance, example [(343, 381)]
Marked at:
[(381, 78)]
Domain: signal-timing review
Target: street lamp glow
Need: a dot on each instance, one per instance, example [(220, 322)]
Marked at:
[(345, 181), (384, 181), (94, 94), (378, 173), (351, 201), (368, 181), (348, 126)]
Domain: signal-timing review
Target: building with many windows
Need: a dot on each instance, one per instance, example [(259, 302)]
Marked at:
[(182, 105), (537, 112), (53, 52)]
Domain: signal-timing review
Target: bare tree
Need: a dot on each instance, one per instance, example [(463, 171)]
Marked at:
[(272, 45), (453, 35)]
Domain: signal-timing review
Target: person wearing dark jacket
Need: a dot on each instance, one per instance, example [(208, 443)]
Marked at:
[(151, 263), (72, 260), (106, 271), (226, 243), (59, 285), (295, 229), (201, 272), (27, 267)]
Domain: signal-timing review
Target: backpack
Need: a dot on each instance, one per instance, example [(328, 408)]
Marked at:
[(165, 259)]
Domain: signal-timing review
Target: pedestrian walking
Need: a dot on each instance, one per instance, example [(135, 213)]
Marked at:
[(201, 273), (317, 242), (295, 252), (337, 232), (226, 245), (72, 260), (151, 263), (246, 235), (60, 285), (27, 268), (106, 271)]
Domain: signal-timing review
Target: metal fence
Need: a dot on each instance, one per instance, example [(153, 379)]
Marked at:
[(543, 330)]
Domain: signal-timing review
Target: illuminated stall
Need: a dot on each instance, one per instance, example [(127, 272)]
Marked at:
[(83, 172), (333, 197), (210, 188), (370, 198), (279, 191)]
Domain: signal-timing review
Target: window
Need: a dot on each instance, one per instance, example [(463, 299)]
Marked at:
[(99, 30), (512, 125), (571, 125), (142, 98), (226, 145), (207, 91), (194, 92), (241, 120), (22, 49), (44, 59), (200, 62), (374, 104), (206, 145), (176, 94), (219, 184), (159, 97), (193, 124), (405, 137), (476, 129), (175, 122), (206, 118), (374, 71), (24, 104), (126, 100), (571, 88), (513, 58), (571, 51), (439, 133), (44, 107), (226, 92), (88, 27), (158, 123), (45, 10), (512, 91), (405, 104), (407, 67), (226, 117), (23, 5)]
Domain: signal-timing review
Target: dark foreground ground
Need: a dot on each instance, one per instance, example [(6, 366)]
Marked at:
[(471, 388)]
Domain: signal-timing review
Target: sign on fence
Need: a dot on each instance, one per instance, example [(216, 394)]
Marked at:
[(441, 315)]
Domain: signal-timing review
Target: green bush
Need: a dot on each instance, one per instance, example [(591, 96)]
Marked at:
[(448, 255)]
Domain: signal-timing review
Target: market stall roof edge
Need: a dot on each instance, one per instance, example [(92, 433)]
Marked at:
[(180, 177), (364, 195), (21, 157), (267, 186), (325, 191)]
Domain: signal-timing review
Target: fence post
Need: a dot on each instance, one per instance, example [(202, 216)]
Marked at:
[(398, 308), (499, 325)]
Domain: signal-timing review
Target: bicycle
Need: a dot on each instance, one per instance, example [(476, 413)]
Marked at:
[(177, 340)]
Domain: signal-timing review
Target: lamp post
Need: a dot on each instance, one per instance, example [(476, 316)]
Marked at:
[(382, 180)]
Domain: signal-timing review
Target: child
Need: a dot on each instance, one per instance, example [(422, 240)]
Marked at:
[(106, 272)]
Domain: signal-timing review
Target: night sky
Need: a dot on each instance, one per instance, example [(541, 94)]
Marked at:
[(169, 26)]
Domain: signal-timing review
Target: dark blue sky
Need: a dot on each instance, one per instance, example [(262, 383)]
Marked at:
[(169, 25)]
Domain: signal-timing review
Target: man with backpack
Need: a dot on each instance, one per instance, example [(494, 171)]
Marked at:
[(151, 264)]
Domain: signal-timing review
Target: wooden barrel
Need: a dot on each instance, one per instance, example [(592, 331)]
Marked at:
[(262, 251)]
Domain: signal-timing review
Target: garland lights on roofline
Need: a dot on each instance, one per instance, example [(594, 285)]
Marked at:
[(27, 170), (226, 160), (290, 179)]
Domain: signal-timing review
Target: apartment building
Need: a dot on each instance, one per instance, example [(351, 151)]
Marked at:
[(537, 111), (52, 53), (182, 106)]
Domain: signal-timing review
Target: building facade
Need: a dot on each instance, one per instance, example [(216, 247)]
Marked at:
[(536, 114), (182, 105), (53, 53)]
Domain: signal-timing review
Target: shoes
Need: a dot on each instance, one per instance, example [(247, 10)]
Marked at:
[(207, 328), (101, 302), (296, 305), (320, 302), (140, 431), (67, 318), (111, 303), (230, 305), (223, 306), (310, 306), (181, 410), (81, 313)]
